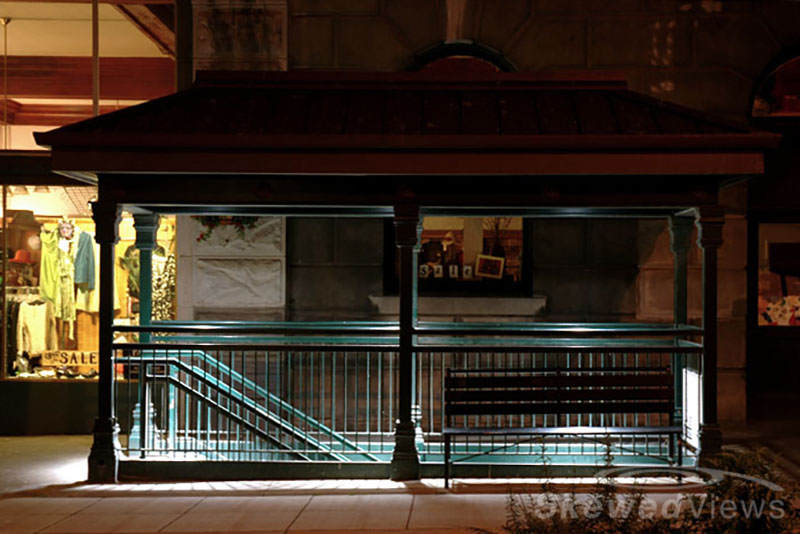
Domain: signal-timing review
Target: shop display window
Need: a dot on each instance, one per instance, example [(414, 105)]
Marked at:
[(51, 278), (468, 256), (779, 275)]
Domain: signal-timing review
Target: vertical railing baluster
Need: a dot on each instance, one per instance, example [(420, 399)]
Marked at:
[(390, 424), (368, 398), (345, 398), (301, 384), (321, 400), (431, 419), (267, 395), (334, 394), (357, 377), (312, 414), (443, 366), (379, 403)]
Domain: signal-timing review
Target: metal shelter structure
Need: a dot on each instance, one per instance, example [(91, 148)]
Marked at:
[(363, 399)]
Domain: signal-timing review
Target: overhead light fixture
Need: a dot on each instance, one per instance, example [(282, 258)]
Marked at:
[(41, 189), (19, 190)]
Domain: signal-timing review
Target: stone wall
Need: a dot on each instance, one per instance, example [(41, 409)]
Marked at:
[(705, 54), (334, 265), (586, 268)]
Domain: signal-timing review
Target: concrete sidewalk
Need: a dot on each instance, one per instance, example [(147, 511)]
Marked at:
[(42, 490), (384, 513)]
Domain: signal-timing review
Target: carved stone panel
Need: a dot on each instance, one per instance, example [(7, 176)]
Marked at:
[(240, 34), (263, 238), (231, 269), (238, 283)]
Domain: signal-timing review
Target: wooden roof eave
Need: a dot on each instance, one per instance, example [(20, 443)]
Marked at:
[(376, 142), (411, 162), (34, 167)]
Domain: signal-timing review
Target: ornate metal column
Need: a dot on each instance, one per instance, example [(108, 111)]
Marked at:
[(405, 460), (680, 229), (146, 226), (104, 457), (709, 237)]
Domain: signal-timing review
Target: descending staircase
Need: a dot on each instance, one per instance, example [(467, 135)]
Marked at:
[(249, 406)]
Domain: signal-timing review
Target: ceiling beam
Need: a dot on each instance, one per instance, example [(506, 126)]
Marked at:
[(71, 77), (55, 114), (8, 110), (151, 25)]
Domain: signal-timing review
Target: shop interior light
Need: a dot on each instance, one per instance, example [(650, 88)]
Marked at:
[(41, 189), (19, 190)]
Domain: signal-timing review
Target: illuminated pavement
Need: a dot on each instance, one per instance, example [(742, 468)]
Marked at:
[(35, 462), (42, 490)]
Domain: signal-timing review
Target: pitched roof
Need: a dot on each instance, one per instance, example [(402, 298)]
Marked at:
[(274, 112)]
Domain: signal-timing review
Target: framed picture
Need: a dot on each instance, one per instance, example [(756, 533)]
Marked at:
[(489, 266)]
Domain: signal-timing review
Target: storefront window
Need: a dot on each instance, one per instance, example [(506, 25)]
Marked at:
[(779, 275), (470, 256), (51, 281), (779, 93)]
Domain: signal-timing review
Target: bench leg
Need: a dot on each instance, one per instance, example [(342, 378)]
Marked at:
[(446, 461), (672, 439)]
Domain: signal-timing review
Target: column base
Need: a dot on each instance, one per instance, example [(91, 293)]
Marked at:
[(405, 460), (104, 457), (710, 440)]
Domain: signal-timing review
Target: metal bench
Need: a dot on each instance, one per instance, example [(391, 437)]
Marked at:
[(560, 392)]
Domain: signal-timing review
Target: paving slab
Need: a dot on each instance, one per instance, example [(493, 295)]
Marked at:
[(458, 511), (111, 523), (359, 512), (241, 514)]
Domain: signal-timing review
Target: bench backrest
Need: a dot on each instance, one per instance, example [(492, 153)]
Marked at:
[(558, 391)]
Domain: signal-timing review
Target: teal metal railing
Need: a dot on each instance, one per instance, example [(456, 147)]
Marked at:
[(311, 392)]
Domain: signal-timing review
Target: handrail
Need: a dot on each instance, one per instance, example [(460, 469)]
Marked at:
[(434, 344), (226, 389), (241, 401), (227, 413), (263, 328), (552, 345), (558, 329), (265, 344), (423, 328)]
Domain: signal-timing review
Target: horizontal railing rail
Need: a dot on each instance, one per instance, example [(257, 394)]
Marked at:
[(422, 328)]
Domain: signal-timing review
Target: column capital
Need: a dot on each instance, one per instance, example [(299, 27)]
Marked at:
[(106, 218), (146, 226), (680, 228), (709, 227), (407, 224)]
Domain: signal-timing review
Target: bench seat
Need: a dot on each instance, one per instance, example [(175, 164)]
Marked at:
[(558, 392)]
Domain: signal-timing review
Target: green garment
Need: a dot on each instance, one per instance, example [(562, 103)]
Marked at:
[(49, 273)]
